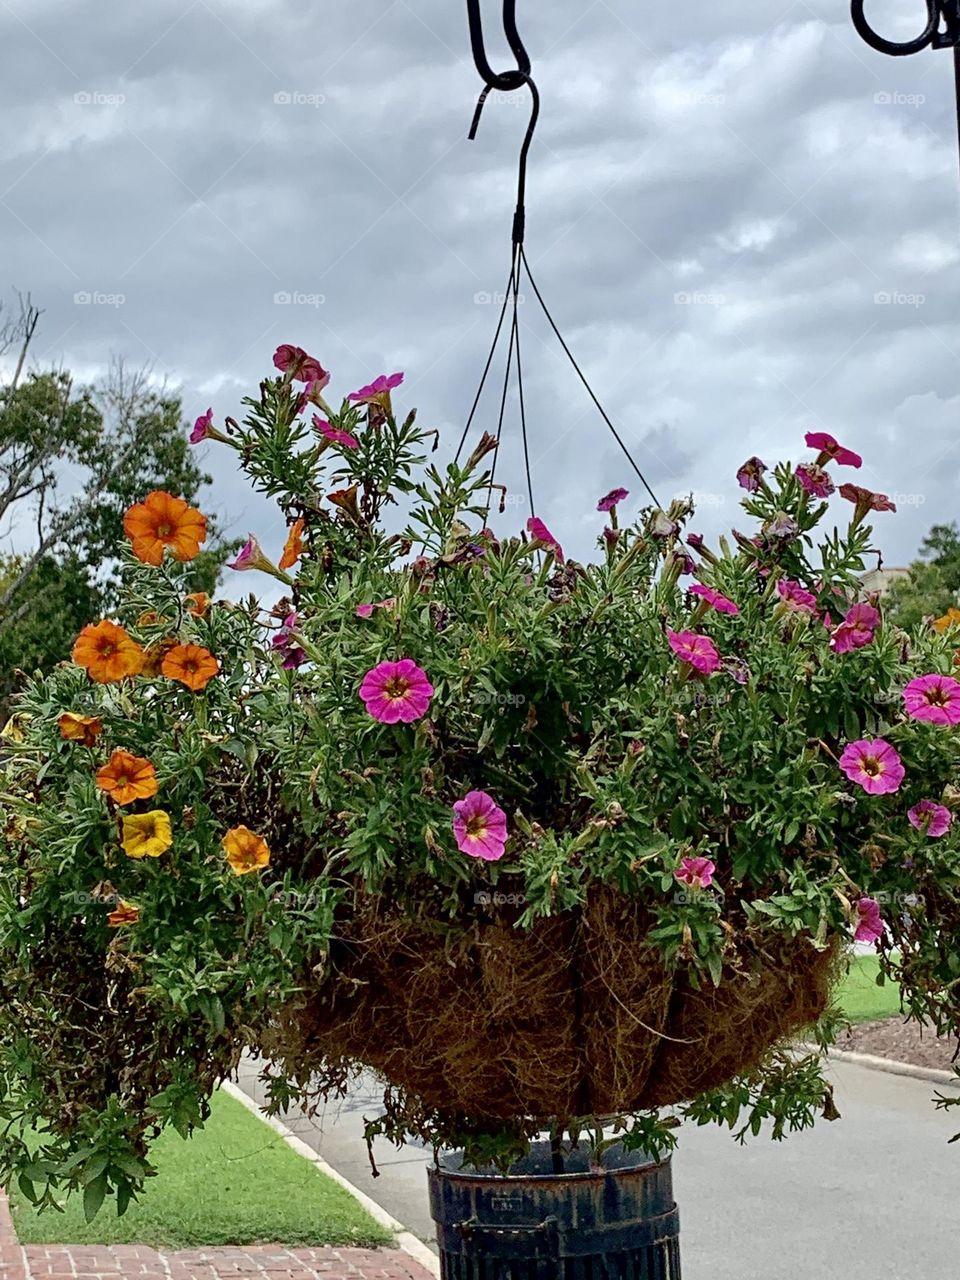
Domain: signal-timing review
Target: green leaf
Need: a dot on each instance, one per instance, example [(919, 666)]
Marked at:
[(93, 1197)]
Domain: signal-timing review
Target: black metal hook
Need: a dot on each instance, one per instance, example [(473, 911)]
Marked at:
[(505, 81), (941, 32)]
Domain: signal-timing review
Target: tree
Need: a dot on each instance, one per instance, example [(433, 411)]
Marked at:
[(932, 585), (72, 460)]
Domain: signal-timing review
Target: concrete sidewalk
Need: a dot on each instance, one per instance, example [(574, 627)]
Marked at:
[(872, 1195)]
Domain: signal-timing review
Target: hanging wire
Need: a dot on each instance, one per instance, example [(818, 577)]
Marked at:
[(508, 81)]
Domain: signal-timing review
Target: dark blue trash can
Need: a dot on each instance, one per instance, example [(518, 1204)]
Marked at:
[(618, 1222)]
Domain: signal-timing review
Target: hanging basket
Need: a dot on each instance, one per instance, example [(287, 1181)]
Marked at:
[(577, 1016)]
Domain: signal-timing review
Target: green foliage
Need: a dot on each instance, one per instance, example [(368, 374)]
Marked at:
[(932, 585), (556, 691)]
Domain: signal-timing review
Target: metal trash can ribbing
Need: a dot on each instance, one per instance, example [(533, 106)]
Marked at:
[(615, 1223)]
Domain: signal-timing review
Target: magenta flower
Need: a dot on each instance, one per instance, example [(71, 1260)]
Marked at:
[(295, 362), (856, 629), (698, 651), (288, 646), (612, 536), (612, 498), (480, 826), (870, 926), (539, 532), (714, 598), (814, 480), (933, 698), (396, 691), (377, 389), (695, 540), (796, 598), (831, 451), (201, 428), (334, 434), (250, 556), (932, 819), (748, 477), (874, 765), (696, 872), (366, 610)]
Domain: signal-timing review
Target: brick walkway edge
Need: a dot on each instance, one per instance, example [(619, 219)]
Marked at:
[(137, 1262)]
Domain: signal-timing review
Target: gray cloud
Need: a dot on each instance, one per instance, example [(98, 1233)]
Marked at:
[(746, 222)]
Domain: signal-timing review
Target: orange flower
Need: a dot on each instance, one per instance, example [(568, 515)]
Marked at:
[(126, 777), (293, 548), (161, 521), (83, 729), (155, 654), (107, 653), (245, 850), (197, 602), (124, 913), (191, 664), (950, 619)]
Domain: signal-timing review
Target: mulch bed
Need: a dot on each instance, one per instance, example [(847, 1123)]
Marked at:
[(901, 1041)]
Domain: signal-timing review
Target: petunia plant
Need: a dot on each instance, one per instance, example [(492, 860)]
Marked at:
[(544, 844)]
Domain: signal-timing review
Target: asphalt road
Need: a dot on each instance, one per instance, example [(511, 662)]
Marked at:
[(873, 1196)]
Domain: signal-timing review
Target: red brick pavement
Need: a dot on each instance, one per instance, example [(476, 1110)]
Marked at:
[(137, 1262)]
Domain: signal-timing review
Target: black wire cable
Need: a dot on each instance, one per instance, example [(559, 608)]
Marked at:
[(582, 376)]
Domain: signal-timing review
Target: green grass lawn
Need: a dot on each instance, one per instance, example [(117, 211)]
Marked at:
[(234, 1182), (860, 997)]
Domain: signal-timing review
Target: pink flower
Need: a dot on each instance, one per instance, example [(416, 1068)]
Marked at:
[(296, 362), (931, 818), (695, 872), (250, 556), (311, 393), (396, 691), (612, 536), (698, 651), (865, 500), (612, 498), (366, 610), (814, 479), (287, 645), (201, 428), (377, 389), (873, 765), (714, 598), (480, 826), (539, 532), (870, 926), (933, 698), (831, 451), (748, 477), (856, 629), (334, 434), (796, 598)]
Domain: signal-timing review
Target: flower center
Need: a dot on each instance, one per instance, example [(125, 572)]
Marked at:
[(872, 766), (107, 649), (396, 687), (937, 696), (476, 827), (164, 531)]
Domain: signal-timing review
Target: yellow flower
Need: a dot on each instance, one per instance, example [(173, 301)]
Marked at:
[(146, 835), (245, 850)]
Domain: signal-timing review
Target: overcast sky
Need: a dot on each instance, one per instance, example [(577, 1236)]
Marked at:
[(746, 222)]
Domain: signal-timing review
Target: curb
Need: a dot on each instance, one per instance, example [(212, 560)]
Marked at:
[(892, 1066), (406, 1240)]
